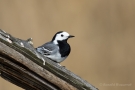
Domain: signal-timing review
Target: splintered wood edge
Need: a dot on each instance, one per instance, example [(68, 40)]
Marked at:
[(35, 67)]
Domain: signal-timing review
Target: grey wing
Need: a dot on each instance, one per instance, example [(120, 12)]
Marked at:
[(47, 49)]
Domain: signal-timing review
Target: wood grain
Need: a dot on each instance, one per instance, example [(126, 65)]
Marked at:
[(19, 64)]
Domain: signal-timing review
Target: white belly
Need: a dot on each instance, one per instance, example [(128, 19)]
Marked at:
[(56, 57)]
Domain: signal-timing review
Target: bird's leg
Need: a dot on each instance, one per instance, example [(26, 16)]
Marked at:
[(43, 61), (40, 57), (59, 64)]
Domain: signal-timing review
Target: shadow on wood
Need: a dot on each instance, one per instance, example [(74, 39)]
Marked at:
[(22, 65)]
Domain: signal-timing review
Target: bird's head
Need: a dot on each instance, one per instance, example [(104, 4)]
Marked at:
[(61, 36)]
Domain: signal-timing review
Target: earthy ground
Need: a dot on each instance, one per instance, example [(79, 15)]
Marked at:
[(103, 51)]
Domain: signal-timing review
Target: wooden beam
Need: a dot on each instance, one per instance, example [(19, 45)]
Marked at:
[(22, 65)]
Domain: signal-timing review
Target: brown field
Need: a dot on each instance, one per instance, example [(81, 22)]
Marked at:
[(103, 51)]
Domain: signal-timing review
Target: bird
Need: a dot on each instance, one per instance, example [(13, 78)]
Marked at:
[(57, 49)]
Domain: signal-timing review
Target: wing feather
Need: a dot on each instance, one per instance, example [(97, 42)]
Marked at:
[(47, 49)]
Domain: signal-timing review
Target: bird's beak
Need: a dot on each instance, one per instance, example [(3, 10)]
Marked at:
[(70, 36)]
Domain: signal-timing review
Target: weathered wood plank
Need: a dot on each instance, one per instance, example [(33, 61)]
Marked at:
[(23, 66)]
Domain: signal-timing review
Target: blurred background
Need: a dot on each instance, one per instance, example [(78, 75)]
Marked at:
[(103, 51)]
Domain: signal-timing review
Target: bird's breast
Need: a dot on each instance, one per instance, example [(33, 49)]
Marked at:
[(64, 48), (56, 57)]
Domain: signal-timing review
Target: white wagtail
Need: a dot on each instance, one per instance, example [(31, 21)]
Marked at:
[(58, 49)]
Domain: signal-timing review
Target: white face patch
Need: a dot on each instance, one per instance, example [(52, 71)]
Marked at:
[(61, 36)]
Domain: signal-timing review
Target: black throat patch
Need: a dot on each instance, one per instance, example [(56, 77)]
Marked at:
[(64, 48)]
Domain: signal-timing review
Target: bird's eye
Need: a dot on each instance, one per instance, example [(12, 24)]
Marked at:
[(62, 35)]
